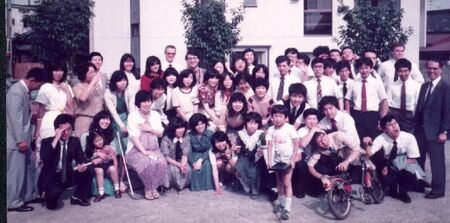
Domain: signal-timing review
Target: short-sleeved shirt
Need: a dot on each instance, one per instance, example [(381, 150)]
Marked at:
[(328, 86), (282, 140), (339, 141), (375, 93), (406, 144), (344, 123), (186, 101)]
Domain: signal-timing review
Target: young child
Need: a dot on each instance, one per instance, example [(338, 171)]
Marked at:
[(220, 157), (104, 160), (282, 142), (248, 166)]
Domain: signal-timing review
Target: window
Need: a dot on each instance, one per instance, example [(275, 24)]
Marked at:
[(250, 3), (135, 30), (318, 17), (262, 53)]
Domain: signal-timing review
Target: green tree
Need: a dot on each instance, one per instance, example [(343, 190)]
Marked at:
[(372, 27), (207, 29), (60, 29)]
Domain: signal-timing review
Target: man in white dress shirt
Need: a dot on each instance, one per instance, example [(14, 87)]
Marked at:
[(387, 68), (170, 51), (321, 85), (403, 95), (280, 82)]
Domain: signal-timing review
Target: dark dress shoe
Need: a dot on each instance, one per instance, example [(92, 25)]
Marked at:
[(37, 200), (23, 208), (432, 195), (300, 195), (79, 201), (118, 194), (99, 198), (403, 196)]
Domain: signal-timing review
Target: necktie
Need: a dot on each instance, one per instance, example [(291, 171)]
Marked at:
[(178, 151), (344, 88), (319, 90), (63, 163), (292, 116), (428, 93), (393, 153), (170, 65), (280, 89), (333, 125), (403, 100), (363, 96)]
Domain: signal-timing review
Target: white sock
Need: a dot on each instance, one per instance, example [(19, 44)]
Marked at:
[(116, 187), (101, 190), (282, 200), (287, 204)]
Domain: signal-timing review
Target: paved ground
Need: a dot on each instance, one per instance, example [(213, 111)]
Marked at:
[(235, 207)]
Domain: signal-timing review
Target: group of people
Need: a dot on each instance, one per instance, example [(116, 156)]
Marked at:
[(184, 126)]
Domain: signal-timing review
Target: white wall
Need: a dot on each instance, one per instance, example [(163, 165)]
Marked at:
[(411, 17), (110, 31)]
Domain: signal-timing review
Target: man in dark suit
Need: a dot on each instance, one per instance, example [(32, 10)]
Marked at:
[(20, 164), (57, 154), (432, 125), (296, 103)]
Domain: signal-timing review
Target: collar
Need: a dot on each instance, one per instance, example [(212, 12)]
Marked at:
[(25, 85), (436, 81), (175, 140)]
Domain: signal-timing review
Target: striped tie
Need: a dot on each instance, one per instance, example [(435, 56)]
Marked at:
[(319, 90)]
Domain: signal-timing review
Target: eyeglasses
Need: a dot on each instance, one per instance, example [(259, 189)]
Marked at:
[(318, 66), (170, 54), (192, 58)]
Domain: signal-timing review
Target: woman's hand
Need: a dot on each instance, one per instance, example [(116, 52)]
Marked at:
[(145, 127)]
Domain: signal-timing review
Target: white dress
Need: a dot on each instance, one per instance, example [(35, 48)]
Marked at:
[(55, 102)]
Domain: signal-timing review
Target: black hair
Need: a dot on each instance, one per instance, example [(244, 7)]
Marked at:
[(298, 88), (344, 48), (184, 74), (126, 57), (213, 64), (192, 52), (63, 119), (108, 133), (341, 65), (253, 116), (56, 66), (157, 83), (329, 63), (219, 136), (38, 74), (82, 70), (237, 96), (260, 82), (281, 59), (370, 51), (316, 61), (265, 71), (280, 109), (211, 74), (152, 60), (305, 58), (363, 61), (291, 50), (403, 62), (386, 119), (117, 76), (236, 58), (334, 50), (245, 77), (195, 119), (255, 61), (321, 50), (310, 111), (314, 144), (328, 100), (94, 54), (142, 96), (441, 64), (222, 79), (174, 124), (171, 71), (397, 44), (90, 147)]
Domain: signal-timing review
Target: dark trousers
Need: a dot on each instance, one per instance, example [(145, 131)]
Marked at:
[(405, 180), (300, 177), (268, 180), (437, 160), (55, 188), (366, 124), (405, 120)]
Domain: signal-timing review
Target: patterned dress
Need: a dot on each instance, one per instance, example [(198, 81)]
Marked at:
[(168, 148), (152, 170), (87, 109), (200, 146)]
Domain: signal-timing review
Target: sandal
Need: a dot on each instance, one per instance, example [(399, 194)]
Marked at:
[(155, 194), (149, 196)]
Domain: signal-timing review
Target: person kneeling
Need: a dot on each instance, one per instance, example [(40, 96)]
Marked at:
[(57, 154)]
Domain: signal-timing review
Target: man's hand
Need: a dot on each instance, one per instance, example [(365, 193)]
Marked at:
[(384, 171), (23, 146), (343, 166), (81, 168), (442, 138)]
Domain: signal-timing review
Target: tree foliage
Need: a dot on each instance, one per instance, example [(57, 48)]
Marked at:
[(372, 27), (207, 29), (60, 29)]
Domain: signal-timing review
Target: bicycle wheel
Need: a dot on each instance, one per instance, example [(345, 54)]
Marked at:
[(339, 200), (377, 188)]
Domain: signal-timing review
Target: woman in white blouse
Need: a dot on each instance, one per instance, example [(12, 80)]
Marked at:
[(128, 65)]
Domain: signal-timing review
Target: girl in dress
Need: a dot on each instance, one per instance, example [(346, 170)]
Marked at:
[(105, 161), (175, 146), (152, 71), (249, 163), (185, 96), (128, 65), (170, 78), (220, 157), (200, 138), (144, 155)]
